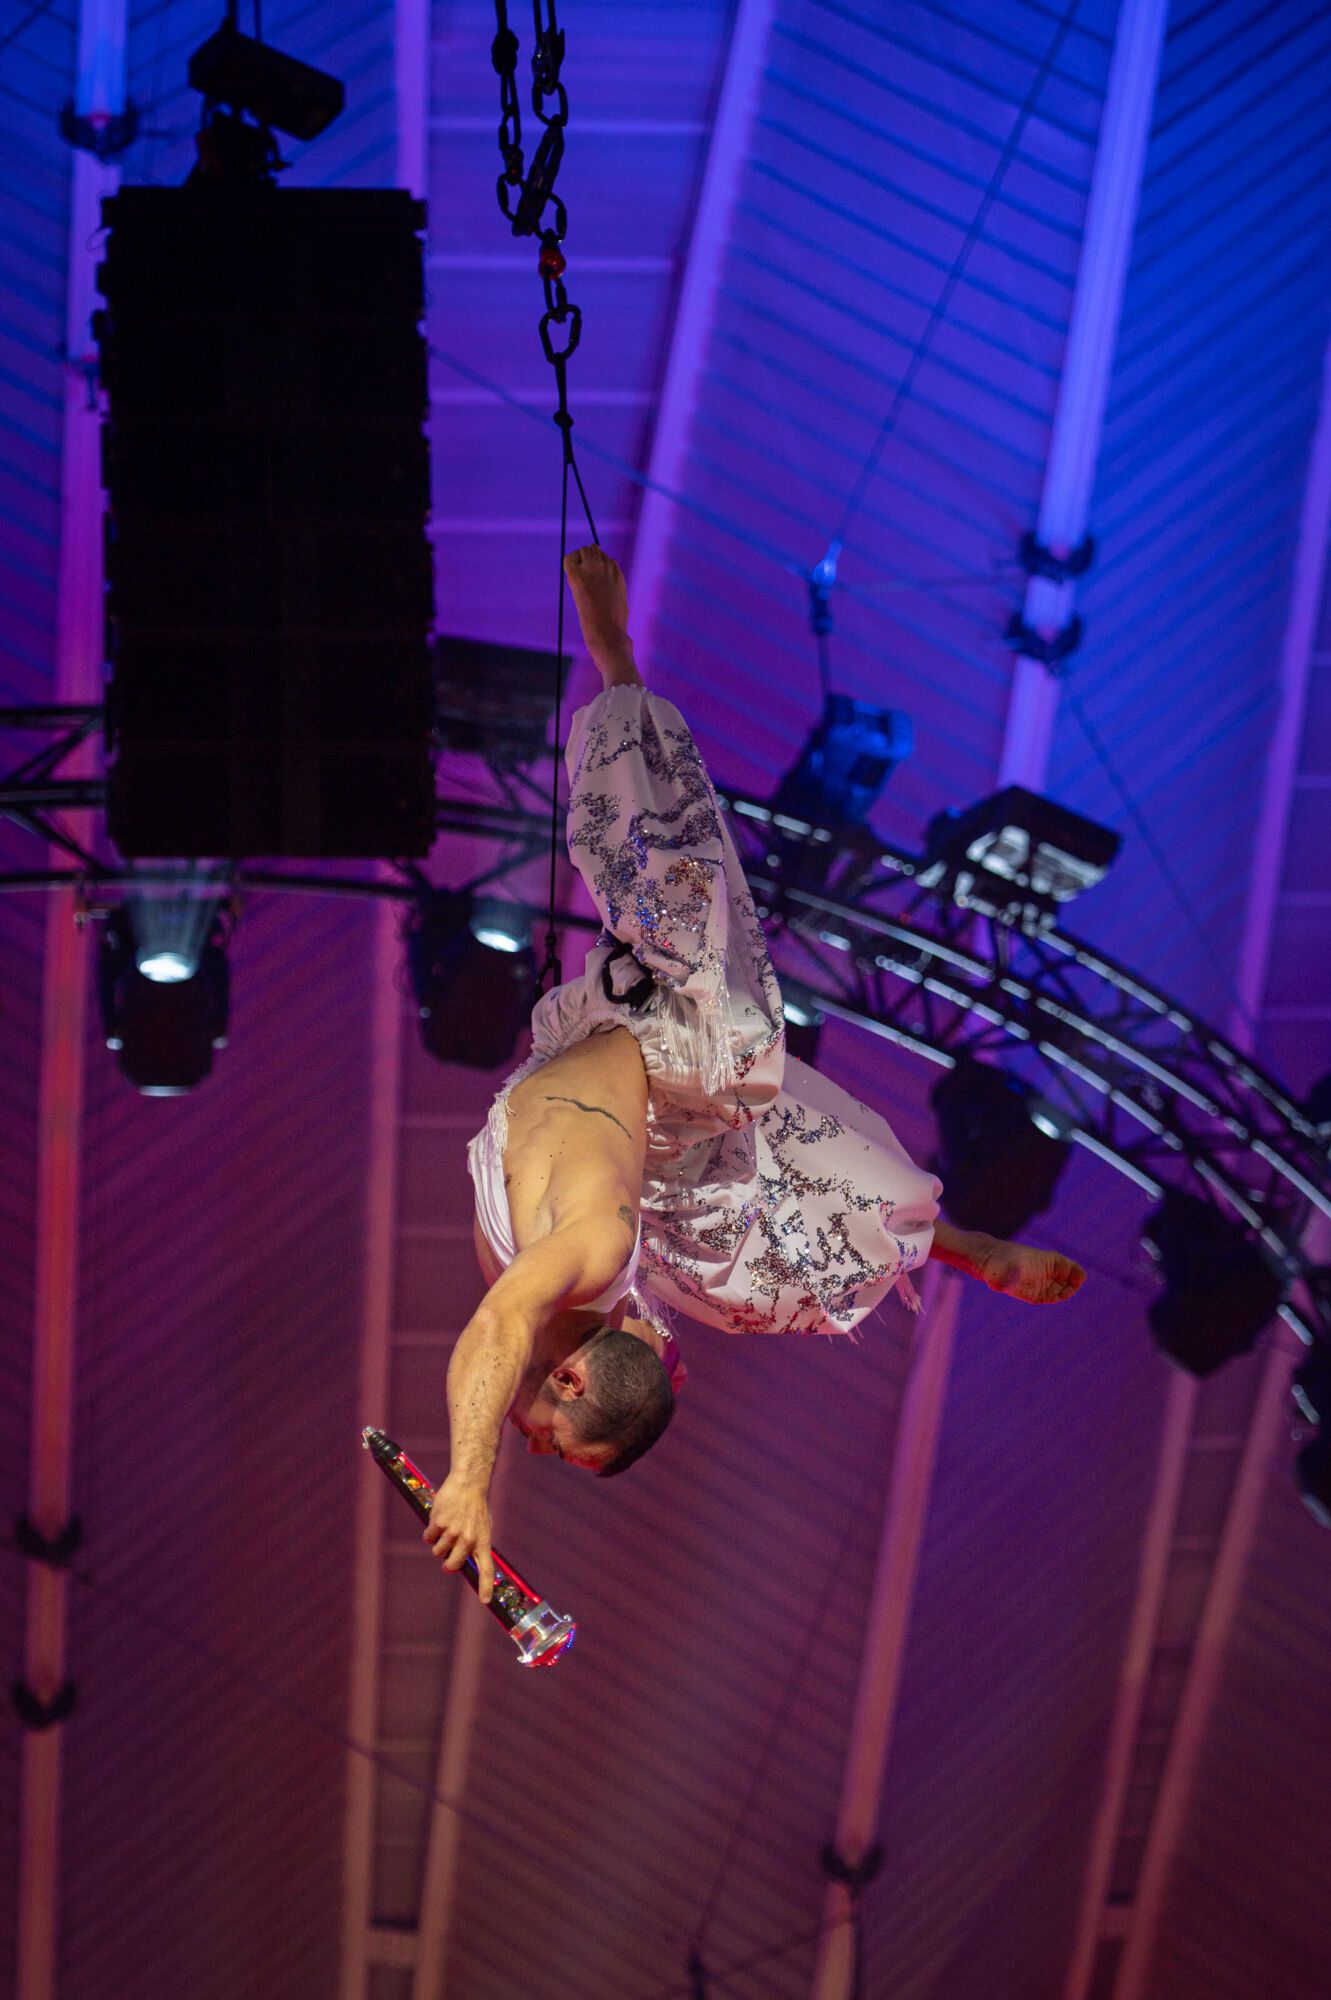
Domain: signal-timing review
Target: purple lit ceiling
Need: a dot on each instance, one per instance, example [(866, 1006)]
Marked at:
[(246, 1607)]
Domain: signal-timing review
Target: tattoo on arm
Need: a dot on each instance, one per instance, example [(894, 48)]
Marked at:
[(597, 1108), (628, 1218)]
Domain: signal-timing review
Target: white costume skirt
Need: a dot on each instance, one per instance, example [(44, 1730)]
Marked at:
[(772, 1201)]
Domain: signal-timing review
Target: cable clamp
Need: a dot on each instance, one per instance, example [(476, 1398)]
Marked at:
[(1037, 560), (855, 1874), (1050, 652), (34, 1713), (56, 1550)]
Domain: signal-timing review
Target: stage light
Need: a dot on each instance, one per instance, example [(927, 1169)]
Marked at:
[(502, 925), (850, 754), (1220, 1289), (1000, 1163), (170, 925), (1016, 856), (164, 1030), (473, 993)]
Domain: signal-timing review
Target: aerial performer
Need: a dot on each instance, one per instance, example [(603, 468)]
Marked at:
[(660, 1148)]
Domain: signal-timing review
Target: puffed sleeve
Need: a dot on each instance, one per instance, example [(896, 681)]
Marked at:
[(646, 835)]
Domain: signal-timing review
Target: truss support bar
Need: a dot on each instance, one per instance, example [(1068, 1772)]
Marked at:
[(99, 92), (904, 1520), (1074, 444), (695, 310)]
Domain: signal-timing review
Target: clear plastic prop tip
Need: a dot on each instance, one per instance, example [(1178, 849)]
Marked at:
[(540, 1634)]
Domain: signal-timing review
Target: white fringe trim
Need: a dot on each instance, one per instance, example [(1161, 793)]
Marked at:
[(697, 1034)]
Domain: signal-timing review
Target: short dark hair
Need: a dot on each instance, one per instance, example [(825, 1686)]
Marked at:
[(629, 1400)]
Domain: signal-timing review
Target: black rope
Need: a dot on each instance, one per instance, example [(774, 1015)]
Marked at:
[(550, 964)]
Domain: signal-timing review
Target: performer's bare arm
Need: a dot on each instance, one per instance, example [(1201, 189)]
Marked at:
[(573, 1175)]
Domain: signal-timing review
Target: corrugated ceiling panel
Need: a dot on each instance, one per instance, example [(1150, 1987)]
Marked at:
[(217, 1448), (1201, 483), (1246, 1916), (874, 141)]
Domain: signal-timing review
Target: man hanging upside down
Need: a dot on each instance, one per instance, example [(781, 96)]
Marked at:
[(660, 1147)]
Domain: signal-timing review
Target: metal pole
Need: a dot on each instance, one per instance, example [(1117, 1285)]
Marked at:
[(412, 81), (99, 95), (1074, 442), (904, 1518)]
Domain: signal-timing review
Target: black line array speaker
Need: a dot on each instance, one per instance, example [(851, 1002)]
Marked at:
[(269, 584)]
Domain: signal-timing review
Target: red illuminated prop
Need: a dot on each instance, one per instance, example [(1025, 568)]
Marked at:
[(540, 1634)]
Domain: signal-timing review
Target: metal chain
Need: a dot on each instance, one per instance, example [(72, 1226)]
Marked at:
[(525, 196)]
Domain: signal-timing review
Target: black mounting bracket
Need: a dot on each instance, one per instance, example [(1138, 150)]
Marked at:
[(1037, 560), (57, 1550), (1033, 645), (34, 1713)]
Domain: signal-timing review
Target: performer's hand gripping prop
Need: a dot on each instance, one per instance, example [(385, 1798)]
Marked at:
[(540, 1634)]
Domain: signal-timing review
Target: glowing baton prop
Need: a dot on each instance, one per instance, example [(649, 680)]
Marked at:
[(540, 1634)]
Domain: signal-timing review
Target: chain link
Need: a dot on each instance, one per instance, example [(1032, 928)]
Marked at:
[(529, 204)]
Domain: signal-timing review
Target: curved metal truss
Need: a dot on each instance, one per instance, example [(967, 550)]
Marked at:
[(1121, 1068)]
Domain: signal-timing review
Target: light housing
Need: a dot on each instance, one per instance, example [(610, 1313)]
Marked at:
[(1017, 856), (164, 1032), (1220, 1288), (998, 1167), (850, 754), (473, 998)]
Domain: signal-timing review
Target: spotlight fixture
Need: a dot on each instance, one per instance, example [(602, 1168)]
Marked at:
[(501, 925), (1000, 1161), (494, 702), (1220, 1288), (170, 925), (1016, 856), (850, 755), (473, 971), (164, 1021)]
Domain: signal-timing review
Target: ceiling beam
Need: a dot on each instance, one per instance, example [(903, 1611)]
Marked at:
[(99, 94), (914, 1451), (1083, 390), (472, 1634), (694, 313), (412, 85)]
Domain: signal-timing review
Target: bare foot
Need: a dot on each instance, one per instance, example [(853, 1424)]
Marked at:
[(601, 597), (1040, 1277)]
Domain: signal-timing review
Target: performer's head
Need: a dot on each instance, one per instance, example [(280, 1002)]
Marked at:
[(602, 1405)]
